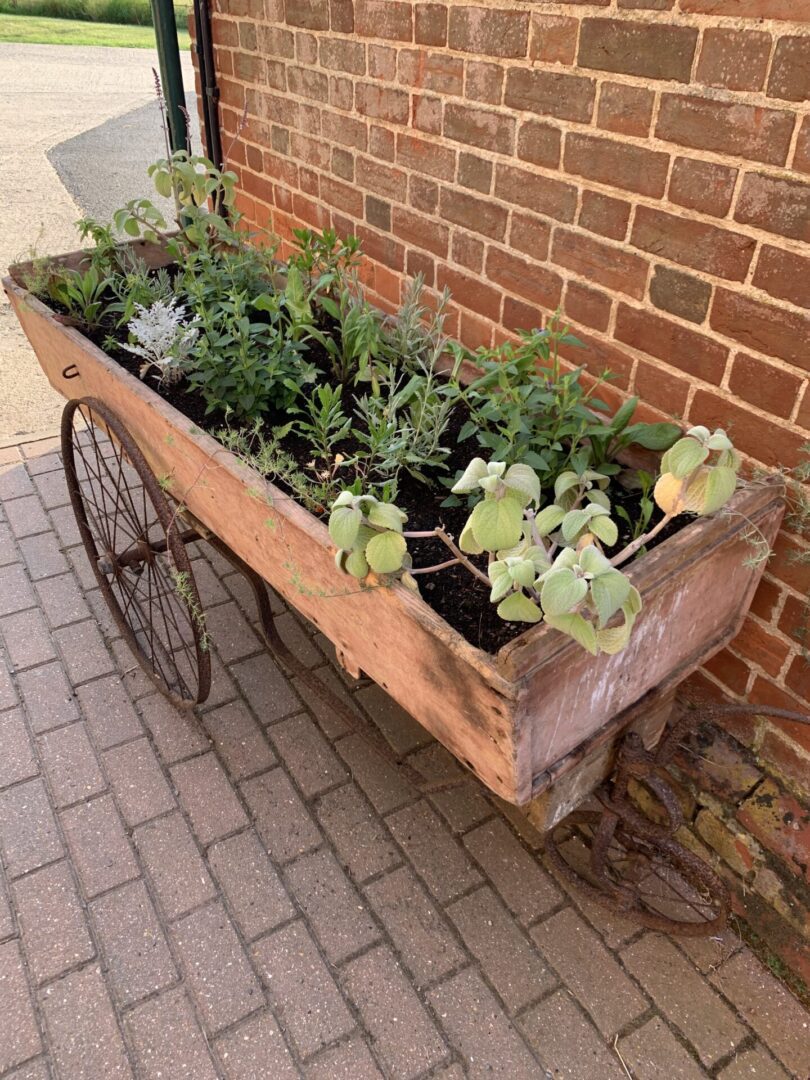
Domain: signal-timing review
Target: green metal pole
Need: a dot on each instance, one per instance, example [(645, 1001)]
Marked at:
[(171, 74)]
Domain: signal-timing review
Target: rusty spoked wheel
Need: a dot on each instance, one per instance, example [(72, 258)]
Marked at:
[(136, 547), (651, 878)]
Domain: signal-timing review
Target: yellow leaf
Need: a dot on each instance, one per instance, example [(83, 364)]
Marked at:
[(669, 494)]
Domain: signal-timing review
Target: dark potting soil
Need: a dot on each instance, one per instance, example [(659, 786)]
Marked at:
[(454, 593)]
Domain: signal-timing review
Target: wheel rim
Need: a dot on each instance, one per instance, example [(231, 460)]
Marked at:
[(132, 539), (658, 883)]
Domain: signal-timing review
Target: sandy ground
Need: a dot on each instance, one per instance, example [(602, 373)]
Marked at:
[(51, 94)]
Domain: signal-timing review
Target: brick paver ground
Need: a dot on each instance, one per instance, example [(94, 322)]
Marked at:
[(253, 892)]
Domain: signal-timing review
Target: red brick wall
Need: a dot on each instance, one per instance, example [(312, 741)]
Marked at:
[(645, 164)]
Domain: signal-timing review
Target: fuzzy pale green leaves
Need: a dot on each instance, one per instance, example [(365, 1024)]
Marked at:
[(692, 483), (497, 521), (368, 535)]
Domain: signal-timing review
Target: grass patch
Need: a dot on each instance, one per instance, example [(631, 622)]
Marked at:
[(126, 12), (32, 30)]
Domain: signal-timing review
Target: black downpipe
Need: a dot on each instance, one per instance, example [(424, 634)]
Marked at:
[(208, 82), (171, 74)]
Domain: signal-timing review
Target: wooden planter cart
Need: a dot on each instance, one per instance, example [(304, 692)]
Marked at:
[(540, 723)]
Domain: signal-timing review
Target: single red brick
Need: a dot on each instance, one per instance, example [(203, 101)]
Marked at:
[(587, 306), (784, 275), (553, 198), (276, 41), (550, 93), (803, 415), (309, 181), (756, 643), (489, 32), (791, 563), (382, 179), (382, 62), (801, 158), (680, 294), (795, 619), (381, 143), (776, 204), (413, 229), (530, 235), (479, 127), (484, 82), (423, 194), (431, 24), (766, 600), (341, 16), (693, 243), (224, 31), (684, 349), (382, 103), (554, 39), (431, 71), (313, 14), (789, 10), (475, 172), (518, 315), (539, 143), (416, 262), (526, 279), (425, 157), (755, 435), (764, 385), (341, 93), (604, 215), (474, 331), (650, 50), (770, 330), (471, 292), (478, 215), (618, 164), (390, 19), (790, 70), (611, 267), (343, 55), (306, 49), (797, 679), (734, 59), (661, 389), (468, 251), (627, 110), (426, 113), (702, 185), (733, 128)]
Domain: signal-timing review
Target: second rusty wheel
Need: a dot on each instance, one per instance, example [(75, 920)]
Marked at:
[(136, 547)]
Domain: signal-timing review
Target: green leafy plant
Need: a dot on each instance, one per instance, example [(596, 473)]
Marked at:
[(607, 439), (639, 525), (322, 421), (324, 260), (361, 354), (82, 293), (368, 536)]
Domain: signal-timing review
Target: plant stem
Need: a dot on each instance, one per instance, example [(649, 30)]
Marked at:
[(440, 534), (436, 566), (632, 548)]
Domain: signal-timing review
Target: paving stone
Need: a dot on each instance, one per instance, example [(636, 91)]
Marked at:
[(28, 834), (268, 693), (84, 1037), (80, 565), (209, 587), (298, 640), (65, 527), (8, 548), (364, 846), (98, 846), (133, 678), (32, 1070), (177, 733), (26, 516), (589, 970), (517, 876), (684, 997), (707, 954), (239, 740), (8, 691), (84, 651), (110, 715), (251, 885), (442, 863), (27, 638), (17, 761), (19, 1036), (384, 787), (420, 933), (400, 729), (14, 481), (754, 1064), (480, 1030), (223, 688), (138, 960), (174, 864), (168, 1041), (7, 925), (403, 1035), (216, 967), (305, 999), (231, 632), (334, 910), (350, 1060), (48, 698), (774, 1014), (102, 616), (567, 1043), (463, 806), (50, 485), (282, 820), (506, 957), (52, 923), (71, 765), (16, 593), (43, 556), (138, 782), (653, 1051), (306, 754), (331, 722), (255, 1049), (208, 798)]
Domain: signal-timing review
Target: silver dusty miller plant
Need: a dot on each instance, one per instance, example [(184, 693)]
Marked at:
[(543, 564), (163, 340)]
